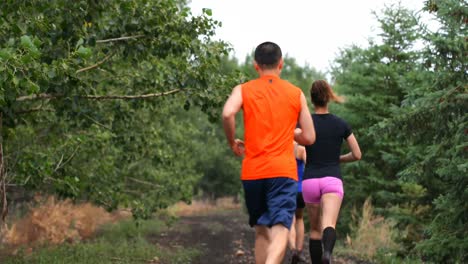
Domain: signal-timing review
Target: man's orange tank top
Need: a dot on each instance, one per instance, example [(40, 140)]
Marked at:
[(271, 109)]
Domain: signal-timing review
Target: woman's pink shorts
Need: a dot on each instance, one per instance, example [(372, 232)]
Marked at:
[(313, 189)]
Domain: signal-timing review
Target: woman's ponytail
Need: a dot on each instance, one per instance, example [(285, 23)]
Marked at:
[(321, 94)]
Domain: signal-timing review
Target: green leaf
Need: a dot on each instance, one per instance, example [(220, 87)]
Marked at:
[(5, 54), (26, 42), (79, 43), (51, 73), (32, 87), (15, 81), (208, 11), (83, 52)]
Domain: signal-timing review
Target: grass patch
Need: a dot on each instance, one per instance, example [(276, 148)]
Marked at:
[(56, 231), (129, 229), (372, 239), (200, 207), (123, 242)]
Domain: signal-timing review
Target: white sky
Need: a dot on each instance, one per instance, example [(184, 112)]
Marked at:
[(312, 31)]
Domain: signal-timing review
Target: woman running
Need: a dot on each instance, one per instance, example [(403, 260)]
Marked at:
[(296, 235), (322, 185)]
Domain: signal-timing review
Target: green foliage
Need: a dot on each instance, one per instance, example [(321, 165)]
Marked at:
[(408, 110), (434, 119), (374, 81), (62, 65), (220, 167)]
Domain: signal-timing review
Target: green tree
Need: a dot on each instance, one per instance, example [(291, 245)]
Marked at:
[(432, 123), (374, 81), (407, 108), (89, 98)]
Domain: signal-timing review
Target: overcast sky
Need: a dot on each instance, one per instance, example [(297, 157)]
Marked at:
[(312, 31)]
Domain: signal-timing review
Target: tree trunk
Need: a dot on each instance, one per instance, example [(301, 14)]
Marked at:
[(4, 203)]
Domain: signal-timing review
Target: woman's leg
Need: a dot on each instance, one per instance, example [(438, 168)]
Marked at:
[(299, 229), (311, 195), (315, 243), (331, 204)]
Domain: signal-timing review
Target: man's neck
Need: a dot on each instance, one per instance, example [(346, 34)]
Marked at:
[(274, 72)]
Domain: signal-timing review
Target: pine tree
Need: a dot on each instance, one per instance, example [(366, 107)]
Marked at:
[(432, 123)]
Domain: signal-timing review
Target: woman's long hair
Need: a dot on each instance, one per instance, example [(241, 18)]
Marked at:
[(321, 94)]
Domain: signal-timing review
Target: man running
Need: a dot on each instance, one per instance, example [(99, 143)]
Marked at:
[(271, 109)]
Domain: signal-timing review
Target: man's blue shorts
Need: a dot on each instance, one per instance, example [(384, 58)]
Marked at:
[(270, 201)]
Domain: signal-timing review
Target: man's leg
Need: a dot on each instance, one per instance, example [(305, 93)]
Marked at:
[(262, 242), (256, 206), (278, 243), (292, 236), (281, 202)]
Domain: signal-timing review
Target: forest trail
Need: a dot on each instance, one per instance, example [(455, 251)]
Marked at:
[(221, 236)]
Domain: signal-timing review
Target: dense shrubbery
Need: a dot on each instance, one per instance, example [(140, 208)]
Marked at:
[(407, 104), (92, 98)]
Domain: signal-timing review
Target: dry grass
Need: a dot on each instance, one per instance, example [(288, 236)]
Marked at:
[(56, 221), (203, 206), (370, 234)]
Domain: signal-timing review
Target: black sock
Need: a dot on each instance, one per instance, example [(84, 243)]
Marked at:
[(328, 239), (315, 249)]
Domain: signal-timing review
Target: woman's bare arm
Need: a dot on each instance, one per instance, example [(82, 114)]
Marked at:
[(355, 153)]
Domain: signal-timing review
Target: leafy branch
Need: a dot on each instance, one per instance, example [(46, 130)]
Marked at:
[(97, 64), (119, 39), (44, 96)]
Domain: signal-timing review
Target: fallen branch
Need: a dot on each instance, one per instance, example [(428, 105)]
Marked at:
[(119, 39), (95, 97)]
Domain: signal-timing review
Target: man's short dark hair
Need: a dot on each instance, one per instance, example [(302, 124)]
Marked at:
[(268, 55)]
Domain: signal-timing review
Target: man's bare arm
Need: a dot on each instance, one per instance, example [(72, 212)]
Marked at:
[(306, 135), (231, 108)]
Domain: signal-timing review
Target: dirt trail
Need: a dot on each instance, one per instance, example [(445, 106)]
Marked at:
[(222, 237)]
